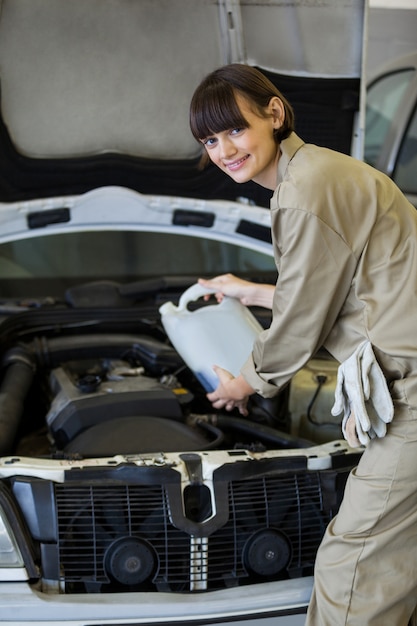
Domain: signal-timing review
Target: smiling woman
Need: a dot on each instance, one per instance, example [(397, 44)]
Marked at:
[(331, 215)]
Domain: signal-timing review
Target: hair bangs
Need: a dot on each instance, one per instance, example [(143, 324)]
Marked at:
[(215, 112)]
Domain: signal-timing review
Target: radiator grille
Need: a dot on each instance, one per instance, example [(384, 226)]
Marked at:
[(121, 536)]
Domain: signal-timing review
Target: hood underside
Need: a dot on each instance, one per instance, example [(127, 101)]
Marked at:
[(97, 93)]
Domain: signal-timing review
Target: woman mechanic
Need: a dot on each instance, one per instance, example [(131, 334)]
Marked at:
[(341, 230)]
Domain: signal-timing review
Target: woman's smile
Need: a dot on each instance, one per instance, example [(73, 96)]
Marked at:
[(235, 165)]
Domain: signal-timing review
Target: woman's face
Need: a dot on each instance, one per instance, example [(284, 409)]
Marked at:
[(249, 153)]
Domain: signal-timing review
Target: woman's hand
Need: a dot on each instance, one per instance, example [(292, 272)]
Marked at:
[(249, 293), (231, 393), (351, 433)]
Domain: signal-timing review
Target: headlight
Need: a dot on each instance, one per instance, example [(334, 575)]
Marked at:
[(10, 555), (16, 550)]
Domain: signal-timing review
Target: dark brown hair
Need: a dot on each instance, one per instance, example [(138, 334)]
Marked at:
[(214, 108)]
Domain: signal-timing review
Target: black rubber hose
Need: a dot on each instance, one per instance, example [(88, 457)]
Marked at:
[(152, 352), (219, 436), (16, 383), (266, 434)]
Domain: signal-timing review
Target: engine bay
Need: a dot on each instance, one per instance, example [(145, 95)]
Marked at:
[(126, 479), (119, 394)]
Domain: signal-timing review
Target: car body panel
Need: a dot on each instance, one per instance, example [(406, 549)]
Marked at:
[(23, 604)]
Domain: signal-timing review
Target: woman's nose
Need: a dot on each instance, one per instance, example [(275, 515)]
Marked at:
[(227, 148)]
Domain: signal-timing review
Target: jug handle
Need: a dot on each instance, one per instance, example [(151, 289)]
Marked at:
[(193, 293)]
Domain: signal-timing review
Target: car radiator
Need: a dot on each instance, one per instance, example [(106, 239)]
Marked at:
[(135, 528)]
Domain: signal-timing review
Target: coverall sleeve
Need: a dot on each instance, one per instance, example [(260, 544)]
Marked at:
[(316, 268)]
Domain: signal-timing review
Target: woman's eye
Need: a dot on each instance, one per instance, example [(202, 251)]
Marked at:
[(209, 141), (236, 131)]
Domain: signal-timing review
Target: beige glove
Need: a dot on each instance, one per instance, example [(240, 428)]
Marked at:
[(362, 390)]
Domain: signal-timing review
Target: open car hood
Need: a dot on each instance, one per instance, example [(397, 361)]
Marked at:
[(97, 93)]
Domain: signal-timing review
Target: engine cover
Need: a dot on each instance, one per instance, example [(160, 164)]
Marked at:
[(81, 402)]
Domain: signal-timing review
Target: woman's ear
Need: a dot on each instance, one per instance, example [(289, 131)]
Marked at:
[(277, 111)]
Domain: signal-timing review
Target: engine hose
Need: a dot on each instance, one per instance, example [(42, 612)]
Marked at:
[(265, 433), (51, 352), (15, 385), (219, 436)]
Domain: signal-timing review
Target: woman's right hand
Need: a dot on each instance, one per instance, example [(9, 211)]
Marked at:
[(228, 285), (249, 293)]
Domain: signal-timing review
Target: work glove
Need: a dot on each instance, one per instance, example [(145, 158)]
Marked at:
[(362, 390)]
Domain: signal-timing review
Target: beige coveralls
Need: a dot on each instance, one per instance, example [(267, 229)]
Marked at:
[(345, 244)]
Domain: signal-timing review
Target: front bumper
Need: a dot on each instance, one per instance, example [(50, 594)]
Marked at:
[(21, 605)]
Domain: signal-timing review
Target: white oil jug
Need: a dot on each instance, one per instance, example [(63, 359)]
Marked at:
[(216, 334)]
